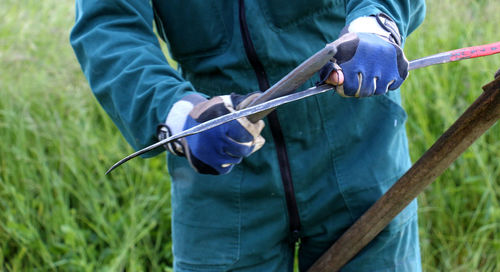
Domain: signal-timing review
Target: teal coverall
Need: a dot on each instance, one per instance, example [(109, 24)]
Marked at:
[(326, 159)]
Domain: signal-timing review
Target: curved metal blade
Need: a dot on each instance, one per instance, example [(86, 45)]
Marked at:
[(279, 93), (271, 104)]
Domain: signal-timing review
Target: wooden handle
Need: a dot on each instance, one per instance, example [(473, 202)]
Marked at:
[(478, 118)]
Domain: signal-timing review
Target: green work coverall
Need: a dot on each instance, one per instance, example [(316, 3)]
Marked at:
[(326, 159)]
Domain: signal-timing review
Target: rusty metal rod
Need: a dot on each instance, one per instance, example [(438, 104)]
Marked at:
[(476, 120)]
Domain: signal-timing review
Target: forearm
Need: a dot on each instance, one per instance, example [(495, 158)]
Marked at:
[(126, 69), (407, 14)]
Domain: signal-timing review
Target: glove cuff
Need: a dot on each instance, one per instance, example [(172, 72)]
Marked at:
[(380, 24), (175, 121)]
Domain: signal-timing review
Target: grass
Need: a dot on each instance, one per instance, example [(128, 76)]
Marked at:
[(58, 211), (460, 212)]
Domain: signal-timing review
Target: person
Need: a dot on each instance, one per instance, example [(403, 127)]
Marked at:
[(239, 204)]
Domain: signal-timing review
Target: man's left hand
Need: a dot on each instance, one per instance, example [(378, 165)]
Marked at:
[(371, 64)]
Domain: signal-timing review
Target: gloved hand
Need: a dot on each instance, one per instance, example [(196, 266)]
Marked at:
[(216, 150), (372, 62)]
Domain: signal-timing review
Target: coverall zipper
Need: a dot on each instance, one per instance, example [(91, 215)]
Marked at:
[(277, 134)]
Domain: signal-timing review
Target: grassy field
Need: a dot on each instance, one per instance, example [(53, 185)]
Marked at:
[(59, 212)]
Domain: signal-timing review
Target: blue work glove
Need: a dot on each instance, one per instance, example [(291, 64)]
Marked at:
[(216, 150), (372, 61)]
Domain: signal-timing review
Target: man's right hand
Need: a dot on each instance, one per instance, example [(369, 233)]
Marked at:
[(216, 150)]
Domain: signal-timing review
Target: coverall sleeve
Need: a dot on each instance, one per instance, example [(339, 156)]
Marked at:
[(408, 14), (128, 73)]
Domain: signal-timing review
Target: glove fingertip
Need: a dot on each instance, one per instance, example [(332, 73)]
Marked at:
[(258, 143), (396, 84), (402, 62), (201, 167)]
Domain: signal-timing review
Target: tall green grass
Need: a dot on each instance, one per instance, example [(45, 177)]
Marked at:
[(460, 212), (58, 211)]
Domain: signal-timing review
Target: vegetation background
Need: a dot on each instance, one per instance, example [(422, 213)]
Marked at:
[(59, 212)]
